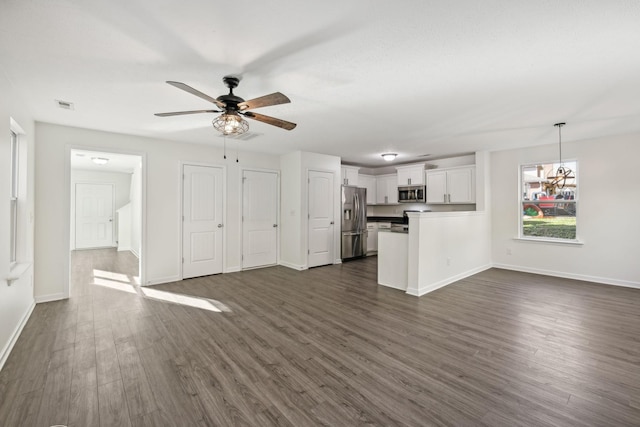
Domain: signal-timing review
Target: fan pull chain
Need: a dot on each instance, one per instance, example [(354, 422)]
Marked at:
[(224, 137), (237, 152)]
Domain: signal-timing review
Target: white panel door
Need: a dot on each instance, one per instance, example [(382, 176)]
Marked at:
[(94, 216), (202, 221), (259, 218), (321, 218)]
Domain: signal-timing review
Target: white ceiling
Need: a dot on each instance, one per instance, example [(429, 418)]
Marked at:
[(364, 76)]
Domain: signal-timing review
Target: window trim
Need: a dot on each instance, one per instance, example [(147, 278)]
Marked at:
[(521, 201), (13, 199)]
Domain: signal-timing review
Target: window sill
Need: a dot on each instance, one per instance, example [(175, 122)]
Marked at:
[(551, 241), (17, 270)]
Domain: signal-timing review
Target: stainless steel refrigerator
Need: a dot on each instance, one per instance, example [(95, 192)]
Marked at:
[(354, 222)]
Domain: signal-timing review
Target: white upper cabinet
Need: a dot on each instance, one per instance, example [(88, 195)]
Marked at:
[(369, 182), (387, 189), (350, 175), (411, 174), (452, 185)]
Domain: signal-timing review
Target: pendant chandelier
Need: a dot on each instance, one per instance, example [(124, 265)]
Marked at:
[(562, 173)]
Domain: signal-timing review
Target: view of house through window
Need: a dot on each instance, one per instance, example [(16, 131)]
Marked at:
[(13, 226), (549, 201)]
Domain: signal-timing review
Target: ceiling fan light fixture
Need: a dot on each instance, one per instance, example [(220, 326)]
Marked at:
[(230, 124), (389, 156)]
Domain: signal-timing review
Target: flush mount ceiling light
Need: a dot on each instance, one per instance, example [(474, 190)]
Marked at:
[(562, 173), (230, 124), (100, 160), (389, 156)]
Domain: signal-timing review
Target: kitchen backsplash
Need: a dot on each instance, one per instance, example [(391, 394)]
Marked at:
[(396, 210)]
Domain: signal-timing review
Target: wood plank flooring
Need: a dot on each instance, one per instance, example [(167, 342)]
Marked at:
[(325, 346)]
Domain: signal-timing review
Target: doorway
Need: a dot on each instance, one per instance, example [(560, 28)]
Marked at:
[(105, 221)]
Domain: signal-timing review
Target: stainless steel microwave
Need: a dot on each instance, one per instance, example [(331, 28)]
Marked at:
[(412, 194)]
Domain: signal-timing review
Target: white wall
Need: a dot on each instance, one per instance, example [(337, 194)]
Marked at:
[(607, 217), (445, 247), (122, 188), (163, 204), (135, 194), (291, 210), (16, 301), (295, 205)]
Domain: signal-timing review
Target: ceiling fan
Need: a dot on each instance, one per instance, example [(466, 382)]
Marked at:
[(234, 108)]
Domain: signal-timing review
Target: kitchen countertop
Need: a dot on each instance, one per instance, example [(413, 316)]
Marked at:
[(392, 219)]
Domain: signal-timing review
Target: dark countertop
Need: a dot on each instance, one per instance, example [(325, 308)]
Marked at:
[(391, 219)]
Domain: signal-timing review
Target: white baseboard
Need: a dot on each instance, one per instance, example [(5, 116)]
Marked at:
[(234, 269), (51, 297), (125, 248), (293, 266), (418, 292), (134, 252), (14, 337), (565, 275), (161, 280)]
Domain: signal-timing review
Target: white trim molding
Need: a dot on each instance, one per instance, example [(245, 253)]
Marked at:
[(4, 355), (565, 275)]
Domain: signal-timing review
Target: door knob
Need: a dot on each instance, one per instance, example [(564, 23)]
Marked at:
[(331, 223), (275, 225), (220, 225)]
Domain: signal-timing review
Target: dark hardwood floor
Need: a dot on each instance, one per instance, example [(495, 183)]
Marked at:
[(325, 346)]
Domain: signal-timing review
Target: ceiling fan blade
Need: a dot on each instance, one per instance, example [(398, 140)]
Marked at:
[(197, 93), (180, 113), (270, 120), (264, 101)]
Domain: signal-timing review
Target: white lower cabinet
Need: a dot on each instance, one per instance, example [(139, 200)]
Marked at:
[(372, 237)]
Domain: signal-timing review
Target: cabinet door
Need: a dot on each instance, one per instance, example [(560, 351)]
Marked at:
[(404, 176), (410, 176), (461, 185), (392, 189), (350, 175), (381, 190), (387, 191), (436, 186), (369, 182), (372, 237)]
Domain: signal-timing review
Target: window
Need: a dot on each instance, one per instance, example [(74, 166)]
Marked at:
[(549, 203), (13, 199)]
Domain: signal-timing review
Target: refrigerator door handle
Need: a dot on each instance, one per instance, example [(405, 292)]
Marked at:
[(357, 200)]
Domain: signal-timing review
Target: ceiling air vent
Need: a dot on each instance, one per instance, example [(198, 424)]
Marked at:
[(65, 105)]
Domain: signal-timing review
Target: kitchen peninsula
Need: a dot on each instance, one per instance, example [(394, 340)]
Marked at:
[(439, 248)]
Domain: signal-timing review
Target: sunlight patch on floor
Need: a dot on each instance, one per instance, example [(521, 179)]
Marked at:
[(114, 284), (131, 284), (188, 300)]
